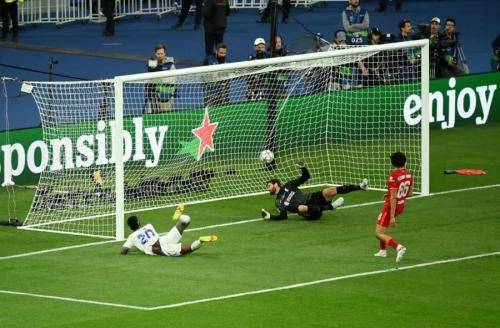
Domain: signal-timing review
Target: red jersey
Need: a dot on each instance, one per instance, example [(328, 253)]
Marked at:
[(401, 180)]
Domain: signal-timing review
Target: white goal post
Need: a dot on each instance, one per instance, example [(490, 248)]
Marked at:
[(194, 135)]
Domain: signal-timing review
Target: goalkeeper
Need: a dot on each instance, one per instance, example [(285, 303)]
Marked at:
[(289, 198)]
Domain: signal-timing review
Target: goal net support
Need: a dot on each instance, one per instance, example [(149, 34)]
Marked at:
[(195, 135)]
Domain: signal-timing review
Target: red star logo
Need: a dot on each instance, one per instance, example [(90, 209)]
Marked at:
[(205, 133)]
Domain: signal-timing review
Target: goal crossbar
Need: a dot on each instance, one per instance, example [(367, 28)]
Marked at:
[(301, 111)]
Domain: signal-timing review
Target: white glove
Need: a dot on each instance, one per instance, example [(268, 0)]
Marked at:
[(265, 214)]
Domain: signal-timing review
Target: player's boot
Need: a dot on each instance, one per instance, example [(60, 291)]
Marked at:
[(338, 202), (178, 212), (206, 239), (401, 252), (381, 253), (364, 184)]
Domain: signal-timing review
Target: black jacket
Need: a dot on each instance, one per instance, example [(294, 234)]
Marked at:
[(215, 14), (290, 196)]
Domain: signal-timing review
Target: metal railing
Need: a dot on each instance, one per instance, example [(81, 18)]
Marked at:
[(66, 11)]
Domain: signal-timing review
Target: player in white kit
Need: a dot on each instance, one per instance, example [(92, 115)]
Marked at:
[(147, 240)]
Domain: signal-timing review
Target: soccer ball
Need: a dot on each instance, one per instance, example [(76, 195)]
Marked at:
[(267, 156)]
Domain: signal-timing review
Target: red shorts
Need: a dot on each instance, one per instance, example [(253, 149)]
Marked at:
[(384, 218)]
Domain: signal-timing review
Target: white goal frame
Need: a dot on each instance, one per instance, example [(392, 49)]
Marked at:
[(116, 210), (119, 100)]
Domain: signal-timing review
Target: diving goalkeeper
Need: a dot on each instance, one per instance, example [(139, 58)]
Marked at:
[(289, 198)]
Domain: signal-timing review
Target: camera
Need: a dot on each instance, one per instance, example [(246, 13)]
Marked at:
[(153, 65), (424, 29), (387, 38)]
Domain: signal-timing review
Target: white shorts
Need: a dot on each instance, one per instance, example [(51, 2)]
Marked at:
[(170, 243)]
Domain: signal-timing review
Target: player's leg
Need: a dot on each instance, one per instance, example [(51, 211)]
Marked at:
[(170, 243), (188, 248), (173, 237), (178, 212), (319, 202), (381, 233), (330, 192), (311, 211), (177, 249), (303, 210), (182, 223)]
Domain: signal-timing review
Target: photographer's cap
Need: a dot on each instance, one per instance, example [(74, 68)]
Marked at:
[(340, 35), (375, 31), (259, 41), (436, 19)]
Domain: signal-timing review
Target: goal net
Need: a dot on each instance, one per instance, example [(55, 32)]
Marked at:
[(196, 135)]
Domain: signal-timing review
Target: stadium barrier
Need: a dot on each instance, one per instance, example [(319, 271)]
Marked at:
[(462, 101), (66, 11)]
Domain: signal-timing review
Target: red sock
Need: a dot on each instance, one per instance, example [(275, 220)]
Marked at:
[(382, 245), (393, 243)]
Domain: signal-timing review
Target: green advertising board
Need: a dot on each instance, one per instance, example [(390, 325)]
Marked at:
[(467, 100)]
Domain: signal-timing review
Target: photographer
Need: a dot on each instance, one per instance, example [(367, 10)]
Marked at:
[(382, 68), (405, 31), (257, 83), (409, 57), (450, 61), (217, 92), (431, 32), (159, 96), (369, 67)]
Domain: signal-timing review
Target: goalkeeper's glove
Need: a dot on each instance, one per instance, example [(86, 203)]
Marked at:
[(265, 214), (301, 164)]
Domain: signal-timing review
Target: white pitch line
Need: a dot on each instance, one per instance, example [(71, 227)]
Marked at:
[(255, 292), (464, 189), (59, 249), (76, 300), (321, 281), (224, 224), (239, 222)]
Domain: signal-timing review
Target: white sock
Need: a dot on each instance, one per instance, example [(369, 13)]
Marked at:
[(185, 218), (195, 245)]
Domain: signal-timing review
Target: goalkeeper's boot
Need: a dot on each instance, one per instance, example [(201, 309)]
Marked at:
[(178, 212), (364, 184), (337, 203), (401, 252), (381, 253), (207, 239)]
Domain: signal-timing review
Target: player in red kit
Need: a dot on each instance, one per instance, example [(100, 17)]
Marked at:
[(399, 187)]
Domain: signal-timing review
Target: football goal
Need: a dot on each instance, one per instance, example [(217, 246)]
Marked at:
[(149, 141)]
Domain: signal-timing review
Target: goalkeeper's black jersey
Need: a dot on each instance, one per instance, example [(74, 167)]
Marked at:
[(290, 196)]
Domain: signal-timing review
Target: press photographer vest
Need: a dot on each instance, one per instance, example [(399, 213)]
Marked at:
[(356, 17)]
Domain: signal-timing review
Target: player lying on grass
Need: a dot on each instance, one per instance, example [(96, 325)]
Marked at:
[(147, 240), (289, 198), (399, 187)]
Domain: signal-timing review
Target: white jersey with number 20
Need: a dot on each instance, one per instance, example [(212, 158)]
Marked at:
[(143, 238)]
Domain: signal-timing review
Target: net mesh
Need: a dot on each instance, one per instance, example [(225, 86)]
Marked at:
[(198, 137)]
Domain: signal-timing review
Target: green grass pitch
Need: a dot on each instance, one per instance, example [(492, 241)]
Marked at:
[(258, 255)]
